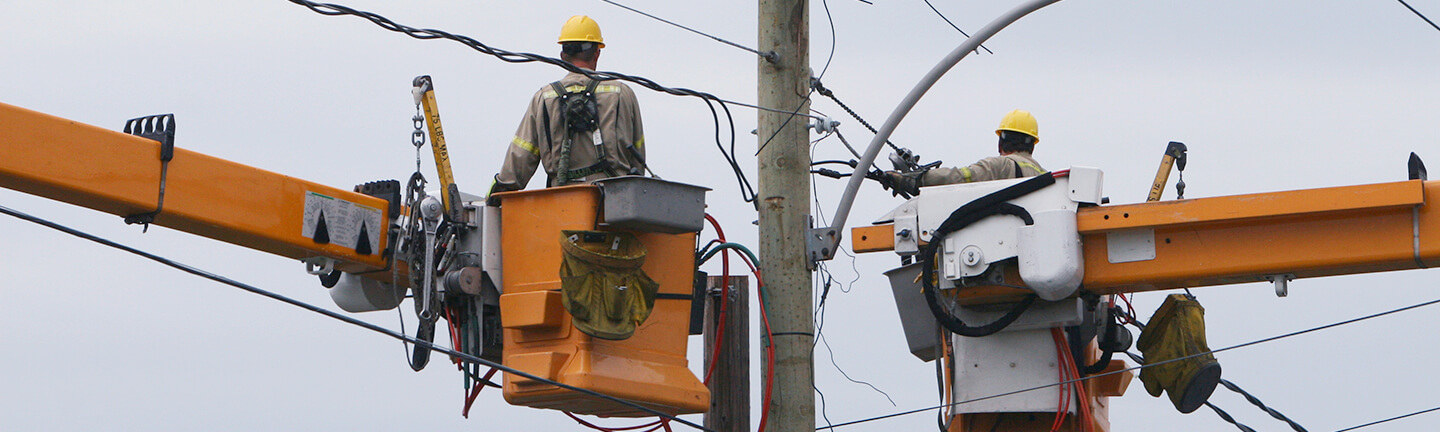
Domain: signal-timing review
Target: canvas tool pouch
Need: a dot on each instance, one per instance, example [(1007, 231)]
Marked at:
[(602, 285), (1177, 330)]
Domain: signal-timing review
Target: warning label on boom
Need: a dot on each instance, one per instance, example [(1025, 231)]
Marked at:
[(333, 220)]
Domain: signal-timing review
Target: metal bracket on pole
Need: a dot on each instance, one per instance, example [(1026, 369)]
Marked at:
[(829, 237), (820, 244)]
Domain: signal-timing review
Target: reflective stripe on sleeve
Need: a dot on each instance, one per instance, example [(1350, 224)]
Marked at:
[(1031, 166), (525, 145), (640, 143), (965, 172)]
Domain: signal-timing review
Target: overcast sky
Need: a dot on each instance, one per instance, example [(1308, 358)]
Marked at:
[(1268, 95)]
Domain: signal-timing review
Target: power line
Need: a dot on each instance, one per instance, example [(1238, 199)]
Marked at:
[(1243, 345), (1417, 13), (957, 28), (768, 56), (331, 314), (330, 9), (1389, 419), (1226, 416)]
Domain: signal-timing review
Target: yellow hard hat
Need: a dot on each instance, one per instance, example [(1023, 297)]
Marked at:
[(581, 28), (1020, 121)]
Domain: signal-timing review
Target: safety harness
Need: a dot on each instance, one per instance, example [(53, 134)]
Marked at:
[(578, 114)]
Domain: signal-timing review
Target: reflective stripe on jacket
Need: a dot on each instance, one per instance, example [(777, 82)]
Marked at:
[(622, 136), (991, 168)]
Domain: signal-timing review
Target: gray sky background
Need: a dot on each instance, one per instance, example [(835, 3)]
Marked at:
[(1269, 96)]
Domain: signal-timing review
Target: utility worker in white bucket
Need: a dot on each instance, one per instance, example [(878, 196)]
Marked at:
[(1018, 132), (579, 129)]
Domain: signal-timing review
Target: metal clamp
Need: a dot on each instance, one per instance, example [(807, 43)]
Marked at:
[(1282, 283), (820, 244), (160, 128)]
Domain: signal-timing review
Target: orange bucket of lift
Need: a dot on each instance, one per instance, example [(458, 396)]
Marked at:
[(648, 368)]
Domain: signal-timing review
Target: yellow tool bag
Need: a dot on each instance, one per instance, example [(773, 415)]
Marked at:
[(602, 285), (1177, 330)]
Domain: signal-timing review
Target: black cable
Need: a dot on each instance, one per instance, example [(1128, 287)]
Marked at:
[(348, 320), (1422, 16), (1389, 419), (820, 87), (1256, 401), (1233, 347), (1226, 416), (766, 55), (1223, 415), (957, 28), (331, 9)]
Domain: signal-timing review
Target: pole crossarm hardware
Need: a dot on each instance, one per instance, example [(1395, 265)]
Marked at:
[(1241, 238), (822, 242), (114, 172)]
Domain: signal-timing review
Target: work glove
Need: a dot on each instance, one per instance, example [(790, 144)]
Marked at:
[(1177, 330), (903, 183)]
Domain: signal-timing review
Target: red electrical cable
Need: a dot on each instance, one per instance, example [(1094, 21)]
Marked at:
[(769, 350), (475, 391), (1063, 404), (724, 298), (1072, 373)]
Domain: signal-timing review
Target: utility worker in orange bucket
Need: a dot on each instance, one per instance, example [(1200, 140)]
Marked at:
[(579, 129)]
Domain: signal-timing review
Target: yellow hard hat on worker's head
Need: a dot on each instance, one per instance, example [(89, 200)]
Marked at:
[(1020, 121), (581, 28)]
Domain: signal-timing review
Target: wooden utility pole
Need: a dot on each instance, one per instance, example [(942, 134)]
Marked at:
[(730, 380), (784, 205)]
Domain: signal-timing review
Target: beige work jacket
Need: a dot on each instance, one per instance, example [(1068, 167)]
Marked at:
[(622, 136), (991, 168)]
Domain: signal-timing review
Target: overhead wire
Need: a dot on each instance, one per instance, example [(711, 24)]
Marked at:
[(1135, 368), (331, 314), (1129, 318), (1389, 419), (806, 100), (331, 9), (771, 56), (1417, 13), (1220, 412), (957, 28)]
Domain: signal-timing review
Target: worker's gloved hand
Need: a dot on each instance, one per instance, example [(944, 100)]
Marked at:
[(907, 183), (1177, 330)]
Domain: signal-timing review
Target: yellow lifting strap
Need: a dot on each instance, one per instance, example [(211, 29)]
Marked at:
[(602, 285)]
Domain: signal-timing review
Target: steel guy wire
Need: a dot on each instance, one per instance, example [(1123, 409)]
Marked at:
[(957, 28), (1422, 16), (331, 314), (1389, 419), (768, 56), (1066, 382)]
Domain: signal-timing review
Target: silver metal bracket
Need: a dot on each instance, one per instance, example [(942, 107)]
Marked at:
[(820, 244), (327, 265), (1282, 283)]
